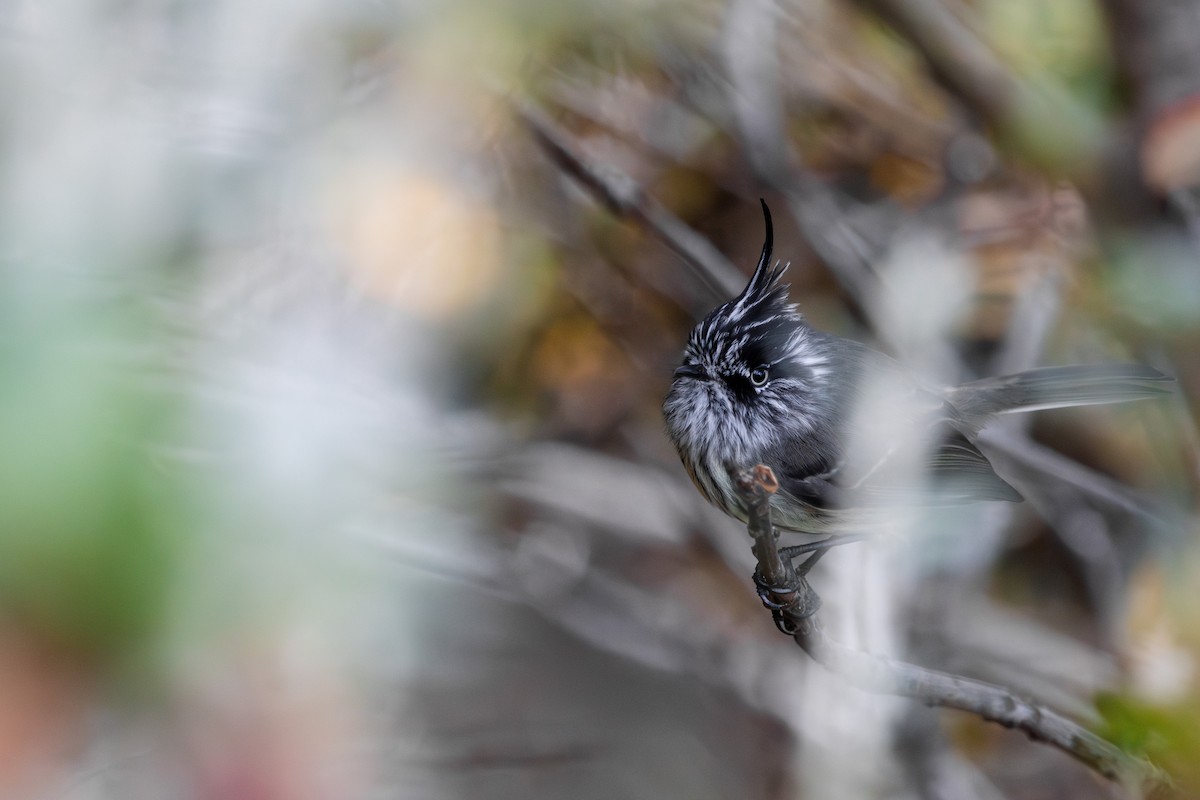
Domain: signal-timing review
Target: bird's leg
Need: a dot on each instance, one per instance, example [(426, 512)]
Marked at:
[(795, 598), (817, 550), (814, 550)]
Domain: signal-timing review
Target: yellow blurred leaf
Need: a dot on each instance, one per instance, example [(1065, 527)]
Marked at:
[(416, 241)]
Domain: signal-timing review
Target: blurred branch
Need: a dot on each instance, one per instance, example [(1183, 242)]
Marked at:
[(1048, 465), (794, 604), (758, 112), (624, 198), (1186, 203), (1040, 120), (959, 59)]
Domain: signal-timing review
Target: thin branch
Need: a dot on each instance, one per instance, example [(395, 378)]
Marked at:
[(625, 198), (794, 605), (1044, 464)]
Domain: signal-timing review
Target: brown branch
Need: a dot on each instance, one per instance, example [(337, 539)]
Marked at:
[(625, 198), (794, 604)]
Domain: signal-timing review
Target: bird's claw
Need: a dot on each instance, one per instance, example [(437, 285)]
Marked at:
[(787, 603), (815, 551), (767, 592)]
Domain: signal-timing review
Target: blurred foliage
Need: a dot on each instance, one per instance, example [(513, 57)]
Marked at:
[(1166, 734), (92, 524), (1065, 41)]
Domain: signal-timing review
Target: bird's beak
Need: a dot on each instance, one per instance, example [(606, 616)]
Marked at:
[(690, 371)]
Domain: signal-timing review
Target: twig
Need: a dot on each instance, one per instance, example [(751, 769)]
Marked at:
[(794, 605), (624, 198)]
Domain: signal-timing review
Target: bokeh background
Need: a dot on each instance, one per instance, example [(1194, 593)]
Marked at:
[(334, 338)]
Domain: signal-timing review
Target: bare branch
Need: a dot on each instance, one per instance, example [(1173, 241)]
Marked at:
[(624, 198), (794, 604)]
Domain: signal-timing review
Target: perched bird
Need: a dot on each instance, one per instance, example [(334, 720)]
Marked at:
[(758, 385)]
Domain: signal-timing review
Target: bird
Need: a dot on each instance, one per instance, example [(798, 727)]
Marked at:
[(758, 385)]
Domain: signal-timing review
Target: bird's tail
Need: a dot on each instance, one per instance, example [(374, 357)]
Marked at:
[(1057, 387)]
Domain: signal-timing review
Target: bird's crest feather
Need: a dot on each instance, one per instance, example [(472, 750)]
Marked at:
[(764, 290)]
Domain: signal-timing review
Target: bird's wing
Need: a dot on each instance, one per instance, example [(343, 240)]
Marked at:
[(953, 472), (892, 441)]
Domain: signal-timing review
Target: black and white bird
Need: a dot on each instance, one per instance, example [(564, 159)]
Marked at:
[(758, 385)]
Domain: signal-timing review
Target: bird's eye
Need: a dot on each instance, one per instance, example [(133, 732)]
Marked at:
[(759, 376)]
